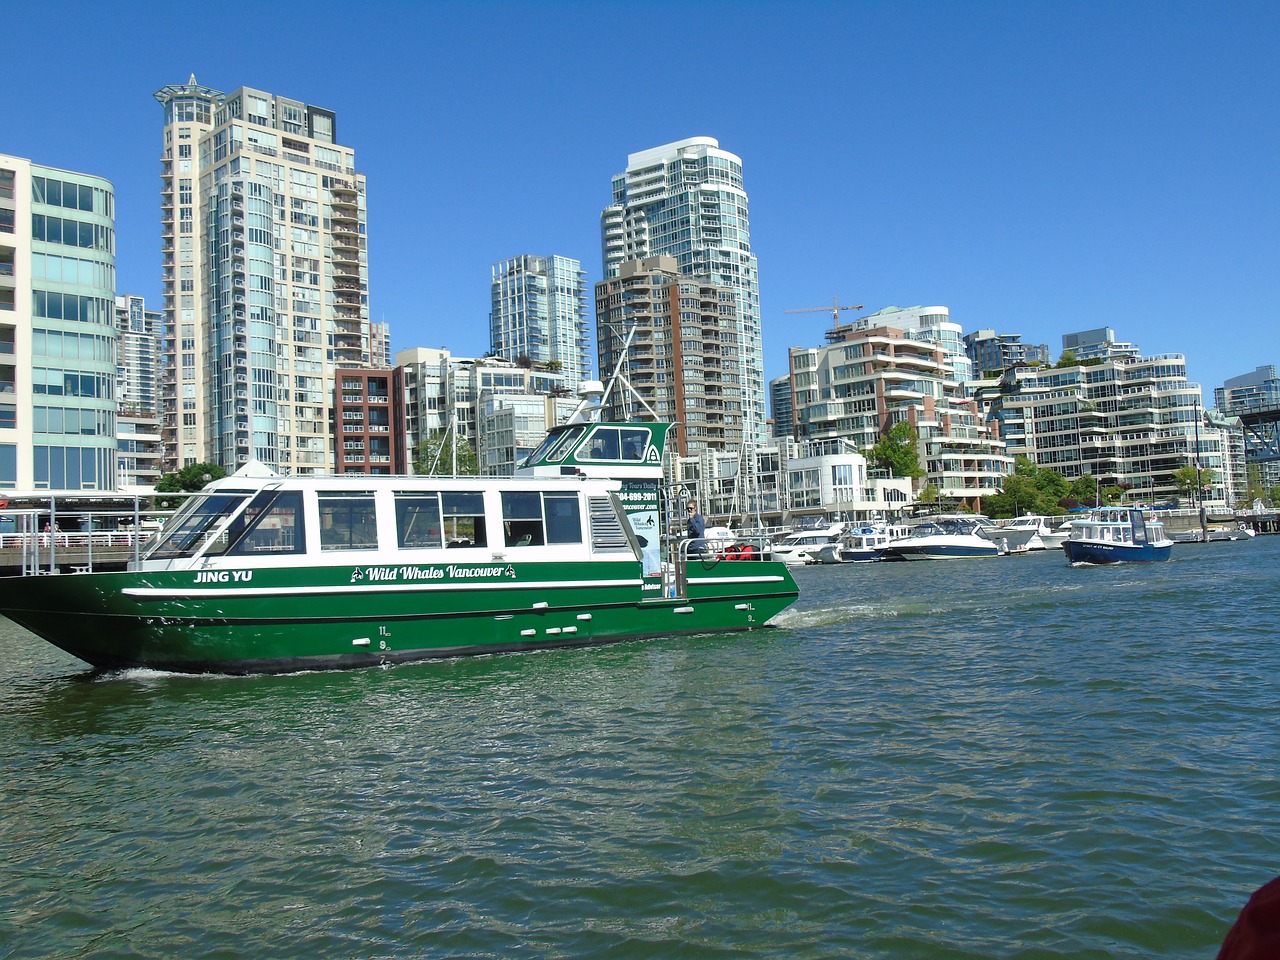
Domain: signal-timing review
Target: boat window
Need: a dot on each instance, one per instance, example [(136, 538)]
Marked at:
[(418, 520), (463, 515), (564, 517), (191, 527), (271, 523), (530, 518), (555, 446), (348, 521), (634, 441), (568, 440), (605, 445), (522, 518)]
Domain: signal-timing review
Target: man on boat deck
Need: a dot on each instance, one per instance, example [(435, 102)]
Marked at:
[(697, 530)]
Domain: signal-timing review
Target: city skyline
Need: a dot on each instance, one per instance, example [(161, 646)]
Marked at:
[(1039, 170)]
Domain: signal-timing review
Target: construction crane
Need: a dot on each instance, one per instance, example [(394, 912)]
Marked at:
[(835, 309)]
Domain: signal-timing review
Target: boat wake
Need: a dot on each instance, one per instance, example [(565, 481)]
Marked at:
[(793, 619)]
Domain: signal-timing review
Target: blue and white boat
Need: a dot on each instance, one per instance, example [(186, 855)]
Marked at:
[(944, 540), (1117, 535)]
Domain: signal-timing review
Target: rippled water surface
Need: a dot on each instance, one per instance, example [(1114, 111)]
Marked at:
[(987, 758)]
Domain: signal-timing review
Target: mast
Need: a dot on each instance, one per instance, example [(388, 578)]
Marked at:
[(1204, 526)]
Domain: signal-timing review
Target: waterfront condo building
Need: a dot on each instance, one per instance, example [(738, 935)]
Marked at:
[(265, 278), (1097, 344), (1129, 421), (870, 377), (993, 352), (683, 356), (686, 200), (538, 314), (57, 329)]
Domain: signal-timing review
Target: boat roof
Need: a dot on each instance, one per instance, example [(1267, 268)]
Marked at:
[(362, 482)]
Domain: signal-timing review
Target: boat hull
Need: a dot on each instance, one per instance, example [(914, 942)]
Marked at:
[(311, 618), (1106, 552), (941, 548)]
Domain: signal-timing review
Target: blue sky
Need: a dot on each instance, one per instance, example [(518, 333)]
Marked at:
[(1039, 168)]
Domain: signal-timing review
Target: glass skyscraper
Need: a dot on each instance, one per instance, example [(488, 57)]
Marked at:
[(538, 312), (686, 200), (57, 329)]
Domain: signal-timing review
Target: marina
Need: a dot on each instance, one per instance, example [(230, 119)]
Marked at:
[(899, 769)]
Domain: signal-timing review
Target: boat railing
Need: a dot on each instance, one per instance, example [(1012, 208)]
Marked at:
[(76, 535), (732, 548)]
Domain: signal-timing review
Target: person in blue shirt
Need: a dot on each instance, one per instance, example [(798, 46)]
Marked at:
[(697, 530)]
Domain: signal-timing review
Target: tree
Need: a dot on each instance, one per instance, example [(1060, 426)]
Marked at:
[(1189, 479), (190, 479), (1018, 495), (1256, 489), (1084, 489), (434, 455), (1029, 489), (897, 452)]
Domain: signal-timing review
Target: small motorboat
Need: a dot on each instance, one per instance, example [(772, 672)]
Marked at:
[(952, 539)]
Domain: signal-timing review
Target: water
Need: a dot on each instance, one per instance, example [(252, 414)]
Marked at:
[(989, 758)]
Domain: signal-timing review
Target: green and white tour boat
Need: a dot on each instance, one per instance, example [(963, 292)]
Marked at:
[(261, 573)]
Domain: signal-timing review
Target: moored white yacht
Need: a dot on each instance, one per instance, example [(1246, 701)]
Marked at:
[(862, 544), (1044, 535), (801, 546)]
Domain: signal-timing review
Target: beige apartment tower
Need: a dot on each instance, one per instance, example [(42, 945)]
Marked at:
[(265, 271)]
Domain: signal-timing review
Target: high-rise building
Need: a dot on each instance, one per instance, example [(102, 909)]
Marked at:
[(380, 343), (539, 313), (57, 329), (1254, 399), (686, 200), (369, 418), (265, 277), (781, 408), (683, 358), (138, 360)]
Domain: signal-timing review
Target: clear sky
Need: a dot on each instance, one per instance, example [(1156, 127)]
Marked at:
[(1037, 167)]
